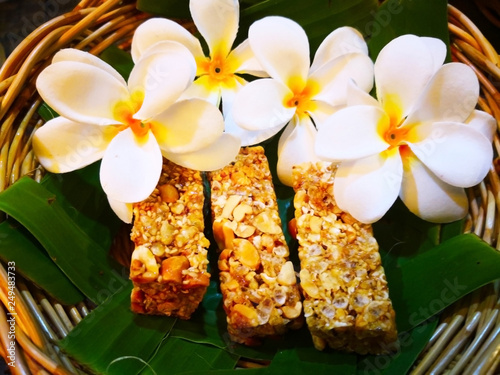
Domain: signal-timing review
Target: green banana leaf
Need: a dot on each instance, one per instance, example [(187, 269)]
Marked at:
[(32, 262), (113, 340), (395, 18), (58, 227), (317, 17), (178, 356)]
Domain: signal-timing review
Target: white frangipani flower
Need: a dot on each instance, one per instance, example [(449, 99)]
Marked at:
[(422, 139), (218, 74), (299, 94), (129, 125)]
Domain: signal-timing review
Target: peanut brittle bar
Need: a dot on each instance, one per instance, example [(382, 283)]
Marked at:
[(257, 280), (346, 299), (169, 262)]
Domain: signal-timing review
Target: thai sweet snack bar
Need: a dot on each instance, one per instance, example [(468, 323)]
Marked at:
[(346, 299), (258, 282), (169, 263)]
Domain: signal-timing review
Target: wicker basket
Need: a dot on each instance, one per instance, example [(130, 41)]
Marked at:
[(468, 336)]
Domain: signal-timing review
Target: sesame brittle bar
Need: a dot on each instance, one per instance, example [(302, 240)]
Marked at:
[(257, 280), (169, 262), (346, 299)]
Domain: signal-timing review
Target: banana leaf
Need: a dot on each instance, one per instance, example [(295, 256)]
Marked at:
[(33, 263), (58, 227), (185, 357), (113, 340), (317, 17), (395, 18)]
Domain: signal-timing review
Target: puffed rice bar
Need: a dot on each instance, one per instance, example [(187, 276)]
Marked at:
[(169, 262), (257, 280), (346, 299)]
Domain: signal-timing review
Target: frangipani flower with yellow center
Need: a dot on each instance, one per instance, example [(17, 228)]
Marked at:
[(219, 73), (129, 125), (422, 139), (299, 94)]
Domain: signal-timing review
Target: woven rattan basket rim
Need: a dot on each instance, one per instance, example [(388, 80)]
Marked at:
[(95, 25)]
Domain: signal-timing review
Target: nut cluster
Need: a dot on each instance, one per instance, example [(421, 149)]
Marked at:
[(169, 262), (257, 279), (346, 299)]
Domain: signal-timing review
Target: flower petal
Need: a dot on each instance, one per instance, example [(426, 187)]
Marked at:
[(352, 133), (340, 41), (301, 138), (73, 54), (357, 96), (282, 48), (217, 21), (334, 77), (247, 137), (430, 198), (322, 111), (157, 30), (82, 92), (456, 153), (483, 122), (244, 60), (215, 156), (124, 211), (202, 88), (188, 125), (62, 145), (367, 188), (161, 75), (402, 70), (260, 105), (437, 48), (130, 169), (451, 95)]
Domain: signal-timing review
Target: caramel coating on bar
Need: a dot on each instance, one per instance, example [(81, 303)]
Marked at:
[(346, 299), (169, 262), (258, 283)]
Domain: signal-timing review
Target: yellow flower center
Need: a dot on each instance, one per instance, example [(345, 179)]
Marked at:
[(219, 69), (301, 95), (395, 134), (124, 113)]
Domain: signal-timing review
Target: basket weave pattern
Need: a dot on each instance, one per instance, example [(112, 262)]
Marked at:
[(468, 335)]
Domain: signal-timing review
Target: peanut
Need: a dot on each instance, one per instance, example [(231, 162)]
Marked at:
[(244, 316), (143, 265), (240, 178), (177, 208), (292, 312), (223, 234), (246, 253), (231, 285), (307, 284), (200, 280), (244, 231), (223, 257), (167, 233), (231, 202), (315, 224), (286, 275), (265, 223), (241, 210), (168, 193), (171, 268)]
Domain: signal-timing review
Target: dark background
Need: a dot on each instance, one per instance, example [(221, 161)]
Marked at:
[(19, 17)]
